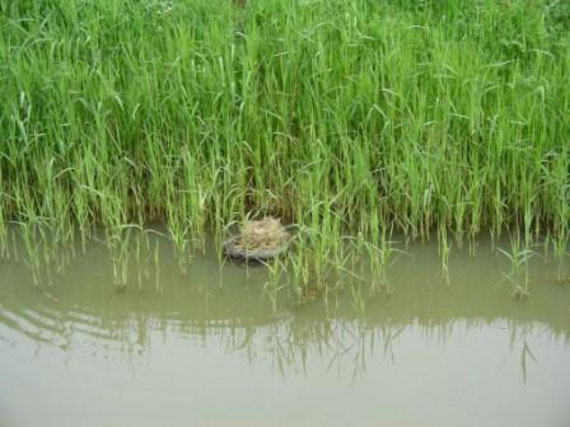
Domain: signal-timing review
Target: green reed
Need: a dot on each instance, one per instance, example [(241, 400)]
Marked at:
[(444, 249), (518, 256), (340, 117)]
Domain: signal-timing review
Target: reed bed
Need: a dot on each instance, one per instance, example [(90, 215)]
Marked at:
[(345, 118)]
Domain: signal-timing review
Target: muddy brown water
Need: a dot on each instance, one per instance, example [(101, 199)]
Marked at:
[(208, 348)]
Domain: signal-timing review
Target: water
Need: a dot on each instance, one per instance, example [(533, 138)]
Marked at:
[(208, 348)]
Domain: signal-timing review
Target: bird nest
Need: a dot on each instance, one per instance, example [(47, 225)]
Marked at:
[(258, 241)]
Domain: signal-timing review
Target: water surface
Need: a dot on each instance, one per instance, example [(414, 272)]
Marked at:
[(208, 348)]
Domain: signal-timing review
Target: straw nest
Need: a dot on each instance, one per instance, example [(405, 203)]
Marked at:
[(258, 240)]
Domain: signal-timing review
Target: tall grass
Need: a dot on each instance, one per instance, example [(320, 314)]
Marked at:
[(343, 117)]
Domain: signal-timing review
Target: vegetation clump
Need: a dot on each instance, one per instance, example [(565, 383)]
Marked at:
[(262, 240), (266, 234)]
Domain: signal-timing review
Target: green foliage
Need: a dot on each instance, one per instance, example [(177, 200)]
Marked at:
[(341, 117), (559, 12)]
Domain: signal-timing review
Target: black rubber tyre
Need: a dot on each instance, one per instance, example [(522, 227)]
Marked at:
[(251, 256)]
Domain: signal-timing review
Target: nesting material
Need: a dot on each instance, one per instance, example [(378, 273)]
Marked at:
[(258, 241)]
